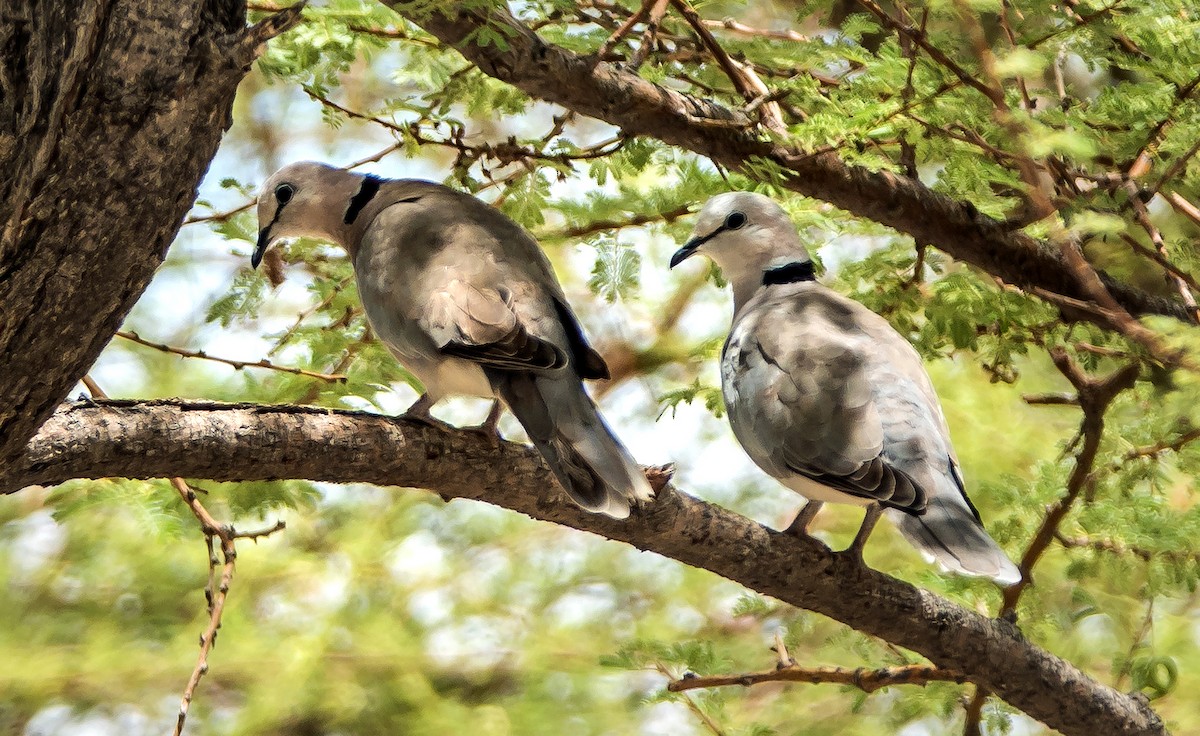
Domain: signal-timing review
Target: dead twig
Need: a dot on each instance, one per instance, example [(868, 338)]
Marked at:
[(216, 591)]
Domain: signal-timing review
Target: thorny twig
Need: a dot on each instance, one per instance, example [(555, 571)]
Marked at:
[(215, 593)]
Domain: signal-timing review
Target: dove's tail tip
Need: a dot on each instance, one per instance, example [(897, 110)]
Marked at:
[(959, 543), (603, 480), (996, 566), (591, 464)]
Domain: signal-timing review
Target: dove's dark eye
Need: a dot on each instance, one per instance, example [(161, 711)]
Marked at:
[(735, 220), (284, 192)]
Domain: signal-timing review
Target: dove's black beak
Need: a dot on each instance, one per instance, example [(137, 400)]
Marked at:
[(686, 251), (693, 245), (264, 241)]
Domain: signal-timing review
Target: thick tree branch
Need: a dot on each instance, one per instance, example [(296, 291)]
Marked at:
[(110, 114), (248, 442), (616, 95)]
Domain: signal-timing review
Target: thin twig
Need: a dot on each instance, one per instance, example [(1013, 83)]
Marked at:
[(1161, 260), (1039, 198), (1051, 399), (600, 226), (1183, 206), (865, 679), (214, 593), (1118, 318), (1178, 165), (1142, 215), (235, 364), (209, 637), (1159, 448), (657, 10), (705, 718), (290, 331), (1080, 22), (611, 42), (974, 712), (741, 29), (1138, 638), (914, 35)]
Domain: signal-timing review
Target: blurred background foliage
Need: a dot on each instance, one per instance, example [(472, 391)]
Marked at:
[(384, 610)]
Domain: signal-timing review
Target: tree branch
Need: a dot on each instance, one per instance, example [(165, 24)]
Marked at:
[(227, 442), (618, 96)]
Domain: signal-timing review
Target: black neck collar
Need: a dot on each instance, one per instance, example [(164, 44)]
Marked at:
[(366, 192), (790, 273)]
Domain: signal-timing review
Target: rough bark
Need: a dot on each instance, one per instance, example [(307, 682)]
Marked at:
[(620, 97), (110, 112), (249, 442)]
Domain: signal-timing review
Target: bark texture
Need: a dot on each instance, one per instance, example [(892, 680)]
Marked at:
[(249, 442), (110, 112), (620, 97)]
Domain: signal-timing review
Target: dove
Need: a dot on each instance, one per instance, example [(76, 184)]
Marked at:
[(468, 302), (827, 398)]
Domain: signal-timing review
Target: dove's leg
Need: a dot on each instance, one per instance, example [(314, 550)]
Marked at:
[(420, 412), (870, 518), (799, 525)]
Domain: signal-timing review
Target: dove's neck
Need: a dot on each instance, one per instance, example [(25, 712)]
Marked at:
[(748, 277), (758, 256)]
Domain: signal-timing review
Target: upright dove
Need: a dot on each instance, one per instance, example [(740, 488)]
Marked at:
[(830, 400), (468, 302)]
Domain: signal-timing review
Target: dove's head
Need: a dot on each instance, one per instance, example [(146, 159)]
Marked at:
[(306, 200), (746, 234)]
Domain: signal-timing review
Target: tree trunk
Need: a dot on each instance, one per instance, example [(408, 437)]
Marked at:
[(110, 112)]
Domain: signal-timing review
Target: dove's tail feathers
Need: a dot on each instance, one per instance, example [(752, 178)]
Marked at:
[(951, 534), (594, 468)]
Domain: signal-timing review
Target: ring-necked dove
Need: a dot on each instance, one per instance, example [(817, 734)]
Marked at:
[(467, 301), (830, 400)]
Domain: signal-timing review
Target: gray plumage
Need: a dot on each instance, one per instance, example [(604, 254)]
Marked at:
[(826, 397), (468, 302)]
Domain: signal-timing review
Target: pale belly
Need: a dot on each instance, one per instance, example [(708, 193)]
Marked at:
[(456, 377), (817, 492)]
